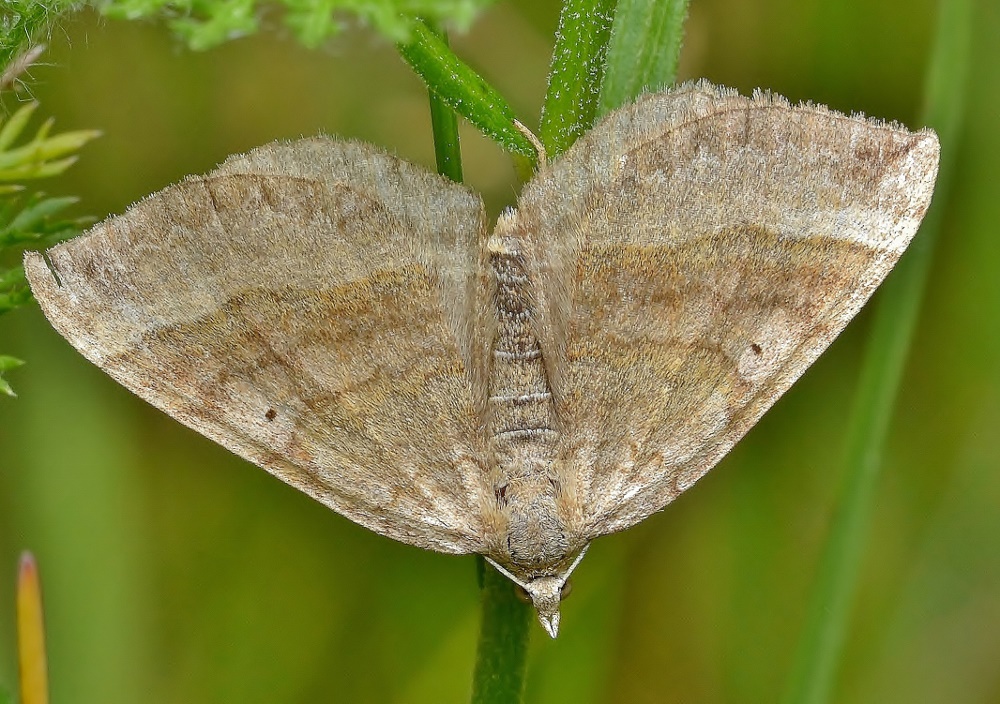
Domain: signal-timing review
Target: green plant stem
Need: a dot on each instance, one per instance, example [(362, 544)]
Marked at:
[(503, 633), (444, 125), (569, 110), (503, 641), (813, 675), (576, 73), (570, 106), (644, 49)]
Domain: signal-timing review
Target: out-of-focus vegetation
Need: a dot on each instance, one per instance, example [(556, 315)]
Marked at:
[(204, 24), (176, 572), (30, 220)]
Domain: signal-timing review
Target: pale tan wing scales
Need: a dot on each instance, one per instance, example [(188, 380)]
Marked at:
[(309, 306), (695, 253)]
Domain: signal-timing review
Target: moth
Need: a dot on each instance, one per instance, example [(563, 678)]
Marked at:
[(352, 324)]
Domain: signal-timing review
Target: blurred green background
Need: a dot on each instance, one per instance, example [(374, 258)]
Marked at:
[(175, 572)]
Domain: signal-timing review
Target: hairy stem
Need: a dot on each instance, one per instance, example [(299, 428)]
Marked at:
[(576, 72)]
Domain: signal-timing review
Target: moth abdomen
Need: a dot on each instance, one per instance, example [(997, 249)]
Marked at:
[(520, 397)]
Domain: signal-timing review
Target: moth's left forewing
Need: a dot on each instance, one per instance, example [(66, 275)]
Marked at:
[(309, 306), (697, 251)]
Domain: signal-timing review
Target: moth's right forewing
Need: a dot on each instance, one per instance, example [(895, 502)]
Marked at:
[(310, 306), (697, 251)]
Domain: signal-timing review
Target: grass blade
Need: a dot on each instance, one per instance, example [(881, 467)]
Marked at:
[(813, 675), (645, 45)]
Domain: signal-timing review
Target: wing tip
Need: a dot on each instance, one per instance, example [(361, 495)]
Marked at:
[(918, 172), (927, 149), (42, 276)]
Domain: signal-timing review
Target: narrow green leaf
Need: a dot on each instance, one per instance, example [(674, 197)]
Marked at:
[(37, 170), (43, 130), (645, 46), (503, 637), (576, 72), (32, 216), (463, 90), (45, 234), (7, 363), (6, 390), (15, 125), (812, 678), (40, 150)]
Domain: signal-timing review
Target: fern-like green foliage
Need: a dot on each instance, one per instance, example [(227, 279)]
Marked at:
[(23, 23), (30, 220), (203, 24)]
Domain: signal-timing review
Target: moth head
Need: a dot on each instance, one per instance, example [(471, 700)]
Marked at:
[(545, 591), (546, 594)]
